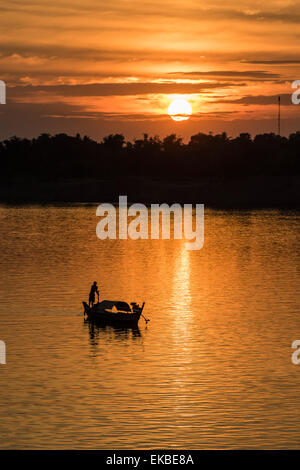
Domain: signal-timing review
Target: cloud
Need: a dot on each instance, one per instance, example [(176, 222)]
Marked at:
[(261, 100), (250, 74), (273, 62), (111, 89)]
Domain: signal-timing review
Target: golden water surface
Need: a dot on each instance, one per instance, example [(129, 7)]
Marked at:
[(211, 370)]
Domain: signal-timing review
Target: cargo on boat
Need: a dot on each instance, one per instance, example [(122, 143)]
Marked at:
[(114, 312)]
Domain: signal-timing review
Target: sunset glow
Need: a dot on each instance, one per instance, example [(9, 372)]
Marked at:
[(115, 66), (180, 110)]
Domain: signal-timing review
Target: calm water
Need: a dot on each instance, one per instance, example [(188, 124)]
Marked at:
[(212, 369)]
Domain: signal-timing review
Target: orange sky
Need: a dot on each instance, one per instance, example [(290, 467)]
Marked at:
[(97, 67)]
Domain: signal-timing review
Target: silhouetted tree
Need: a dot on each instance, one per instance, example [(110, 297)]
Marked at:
[(63, 157)]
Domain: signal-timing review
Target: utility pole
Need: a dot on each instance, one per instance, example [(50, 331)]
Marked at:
[(278, 115)]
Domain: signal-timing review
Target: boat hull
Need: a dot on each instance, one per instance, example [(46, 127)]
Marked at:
[(118, 319)]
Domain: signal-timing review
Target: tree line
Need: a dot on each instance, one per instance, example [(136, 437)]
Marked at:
[(63, 156)]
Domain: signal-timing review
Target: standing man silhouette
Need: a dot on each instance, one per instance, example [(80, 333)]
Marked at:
[(94, 290)]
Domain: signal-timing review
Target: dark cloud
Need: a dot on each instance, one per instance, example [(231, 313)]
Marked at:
[(252, 74), (272, 62), (282, 16), (113, 89), (261, 100), (151, 9)]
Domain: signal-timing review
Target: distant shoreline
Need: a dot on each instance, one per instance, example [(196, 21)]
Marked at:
[(216, 192)]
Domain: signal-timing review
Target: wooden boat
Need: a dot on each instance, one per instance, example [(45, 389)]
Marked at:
[(114, 312)]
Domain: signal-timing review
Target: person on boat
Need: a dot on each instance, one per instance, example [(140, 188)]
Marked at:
[(94, 290)]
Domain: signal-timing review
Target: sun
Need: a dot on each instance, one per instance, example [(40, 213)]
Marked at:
[(180, 109)]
